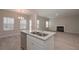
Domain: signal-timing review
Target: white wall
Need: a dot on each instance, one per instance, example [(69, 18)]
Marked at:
[(71, 23), (15, 16)]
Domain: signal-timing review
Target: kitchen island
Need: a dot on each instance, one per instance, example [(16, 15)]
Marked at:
[(37, 40)]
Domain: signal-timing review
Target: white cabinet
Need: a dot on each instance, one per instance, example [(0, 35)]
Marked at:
[(34, 43), (23, 41)]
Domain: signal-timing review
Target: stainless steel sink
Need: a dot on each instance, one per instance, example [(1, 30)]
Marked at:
[(39, 33)]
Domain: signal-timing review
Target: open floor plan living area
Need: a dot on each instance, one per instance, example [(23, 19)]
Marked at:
[(39, 29)]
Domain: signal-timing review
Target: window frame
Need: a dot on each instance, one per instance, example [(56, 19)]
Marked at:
[(21, 25), (7, 24)]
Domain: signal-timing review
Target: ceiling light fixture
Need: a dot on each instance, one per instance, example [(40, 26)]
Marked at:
[(20, 10), (24, 11), (20, 17)]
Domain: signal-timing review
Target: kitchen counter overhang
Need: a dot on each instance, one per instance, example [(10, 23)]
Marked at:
[(49, 34)]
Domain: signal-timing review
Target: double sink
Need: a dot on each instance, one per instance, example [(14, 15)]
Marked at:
[(39, 34)]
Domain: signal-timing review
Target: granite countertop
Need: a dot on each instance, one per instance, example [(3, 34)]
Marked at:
[(40, 37)]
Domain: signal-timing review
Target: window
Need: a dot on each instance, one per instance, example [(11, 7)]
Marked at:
[(37, 24), (30, 25), (8, 23), (47, 24), (22, 23)]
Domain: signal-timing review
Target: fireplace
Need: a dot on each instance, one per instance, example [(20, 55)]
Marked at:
[(60, 28)]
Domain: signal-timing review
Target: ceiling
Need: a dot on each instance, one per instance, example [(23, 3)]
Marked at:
[(51, 13), (22, 11)]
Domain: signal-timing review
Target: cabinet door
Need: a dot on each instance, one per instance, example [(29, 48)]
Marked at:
[(29, 44), (36, 46), (23, 41), (34, 43)]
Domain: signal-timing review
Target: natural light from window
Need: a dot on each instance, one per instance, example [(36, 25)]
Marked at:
[(23, 23), (8, 23), (30, 25), (47, 24), (37, 24)]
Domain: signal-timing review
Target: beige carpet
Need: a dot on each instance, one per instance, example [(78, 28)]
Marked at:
[(10, 41), (66, 41), (63, 41)]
